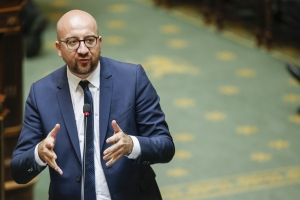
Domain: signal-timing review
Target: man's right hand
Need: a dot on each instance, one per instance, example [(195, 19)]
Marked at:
[(45, 149)]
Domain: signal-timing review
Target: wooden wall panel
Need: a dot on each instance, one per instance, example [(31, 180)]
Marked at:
[(11, 83)]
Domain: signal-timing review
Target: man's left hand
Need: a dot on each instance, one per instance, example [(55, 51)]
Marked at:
[(122, 145)]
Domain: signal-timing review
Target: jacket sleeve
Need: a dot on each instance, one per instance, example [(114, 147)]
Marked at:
[(154, 137), (23, 165)]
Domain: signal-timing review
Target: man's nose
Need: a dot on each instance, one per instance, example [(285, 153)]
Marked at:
[(82, 48)]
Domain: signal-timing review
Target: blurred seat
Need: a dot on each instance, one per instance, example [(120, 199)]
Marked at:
[(270, 21), (295, 72), (166, 3), (176, 3), (282, 23), (34, 24), (247, 15)]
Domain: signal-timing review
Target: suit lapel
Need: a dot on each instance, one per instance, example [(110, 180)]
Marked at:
[(65, 103), (105, 99)]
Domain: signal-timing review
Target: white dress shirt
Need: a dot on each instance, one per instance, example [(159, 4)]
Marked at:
[(77, 96)]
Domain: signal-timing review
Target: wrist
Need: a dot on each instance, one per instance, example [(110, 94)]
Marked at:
[(131, 145)]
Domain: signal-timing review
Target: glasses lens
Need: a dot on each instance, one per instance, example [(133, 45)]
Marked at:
[(90, 41), (73, 43)]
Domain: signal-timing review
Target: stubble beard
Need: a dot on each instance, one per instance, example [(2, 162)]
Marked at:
[(84, 70)]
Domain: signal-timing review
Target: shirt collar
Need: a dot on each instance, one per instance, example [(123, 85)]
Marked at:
[(93, 78)]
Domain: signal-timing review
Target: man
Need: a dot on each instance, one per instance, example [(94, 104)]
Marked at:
[(130, 132), (34, 24)]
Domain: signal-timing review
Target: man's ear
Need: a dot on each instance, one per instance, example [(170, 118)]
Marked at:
[(58, 48)]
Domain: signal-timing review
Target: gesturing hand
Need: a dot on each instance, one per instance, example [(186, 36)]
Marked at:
[(46, 147), (122, 145)]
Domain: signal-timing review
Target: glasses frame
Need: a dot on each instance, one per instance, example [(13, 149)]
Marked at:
[(66, 41)]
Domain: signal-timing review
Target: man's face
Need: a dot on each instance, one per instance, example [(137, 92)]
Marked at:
[(82, 61)]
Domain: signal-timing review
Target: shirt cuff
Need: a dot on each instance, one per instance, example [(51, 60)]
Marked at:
[(136, 150), (38, 161)]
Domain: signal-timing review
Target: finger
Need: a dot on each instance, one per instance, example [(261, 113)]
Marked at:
[(53, 164), (113, 139), (51, 157), (107, 156), (50, 145), (116, 126), (54, 131), (45, 150), (59, 170), (113, 155), (113, 160), (114, 151), (110, 149)]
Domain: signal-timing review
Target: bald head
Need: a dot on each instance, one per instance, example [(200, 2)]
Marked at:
[(75, 20)]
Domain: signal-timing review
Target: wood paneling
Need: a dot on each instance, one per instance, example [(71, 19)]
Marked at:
[(11, 60), (1, 148)]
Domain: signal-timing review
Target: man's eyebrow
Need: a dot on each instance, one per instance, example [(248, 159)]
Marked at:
[(74, 37), (68, 38)]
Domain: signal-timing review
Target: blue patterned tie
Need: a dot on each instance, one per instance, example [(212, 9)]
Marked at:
[(89, 184)]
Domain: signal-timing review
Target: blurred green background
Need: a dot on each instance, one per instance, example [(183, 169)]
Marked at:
[(231, 106)]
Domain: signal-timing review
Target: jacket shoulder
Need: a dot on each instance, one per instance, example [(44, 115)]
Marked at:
[(118, 68)]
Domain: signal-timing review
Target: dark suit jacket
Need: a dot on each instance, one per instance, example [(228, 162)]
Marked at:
[(127, 96)]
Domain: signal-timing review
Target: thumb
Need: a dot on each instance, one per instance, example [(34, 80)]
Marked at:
[(54, 131), (115, 126)]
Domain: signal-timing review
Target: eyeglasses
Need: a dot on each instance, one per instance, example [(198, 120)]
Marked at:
[(73, 43)]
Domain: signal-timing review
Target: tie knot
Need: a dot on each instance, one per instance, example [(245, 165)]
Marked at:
[(84, 84)]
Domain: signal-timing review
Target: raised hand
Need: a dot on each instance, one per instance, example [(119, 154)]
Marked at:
[(122, 145), (45, 149)]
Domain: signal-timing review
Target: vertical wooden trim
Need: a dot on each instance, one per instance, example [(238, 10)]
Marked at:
[(2, 192)]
